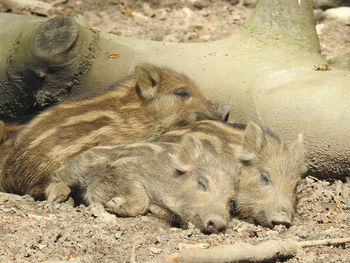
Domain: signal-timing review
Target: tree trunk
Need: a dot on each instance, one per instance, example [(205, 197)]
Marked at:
[(271, 72), (41, 61)]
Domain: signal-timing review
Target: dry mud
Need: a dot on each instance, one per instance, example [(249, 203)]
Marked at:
[(44, 232)]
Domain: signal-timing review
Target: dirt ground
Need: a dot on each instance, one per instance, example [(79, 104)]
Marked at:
[(44, 232), (178, 20)]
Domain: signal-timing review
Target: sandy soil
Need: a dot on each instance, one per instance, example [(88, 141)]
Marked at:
[(43, 232)]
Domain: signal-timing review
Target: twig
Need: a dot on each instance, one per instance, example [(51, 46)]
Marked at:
[(244, 252), (239, 252), (335, 241)]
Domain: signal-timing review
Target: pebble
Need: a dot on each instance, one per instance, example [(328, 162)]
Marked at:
[(41, 246), (156, 250), (205, 37), (118, 235), (187, 11), (190, 225), (157, 241), (189, 232)]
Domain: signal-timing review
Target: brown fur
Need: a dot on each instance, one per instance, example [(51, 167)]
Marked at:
[(178, 182), (269, 171), (153, 101), (8, 133), (2, 131)]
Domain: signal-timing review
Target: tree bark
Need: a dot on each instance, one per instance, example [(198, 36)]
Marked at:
[(271, 72)]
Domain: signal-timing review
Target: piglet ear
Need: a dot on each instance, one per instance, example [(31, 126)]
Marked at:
[(298, 149), (252, 142), (189, 153), (147, 80)]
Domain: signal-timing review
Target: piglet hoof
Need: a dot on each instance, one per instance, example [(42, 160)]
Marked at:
[(57, 192), (115, 205), (160, 212)]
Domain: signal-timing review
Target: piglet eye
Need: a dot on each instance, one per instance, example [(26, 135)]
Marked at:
[(203, 183), (265, 178), (179, 172), (182, 92)]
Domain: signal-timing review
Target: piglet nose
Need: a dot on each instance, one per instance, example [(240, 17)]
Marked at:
[(280, 218), (214, 224)]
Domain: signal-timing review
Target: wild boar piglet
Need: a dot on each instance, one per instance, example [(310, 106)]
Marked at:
[(269, 169), (149, 103), (180, 183), (265, 189)]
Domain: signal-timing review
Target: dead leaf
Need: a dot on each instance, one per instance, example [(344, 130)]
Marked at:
[(323, 67), (114, 55), (69, 256), (127, 12)]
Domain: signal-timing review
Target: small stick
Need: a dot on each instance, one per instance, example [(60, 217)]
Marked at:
[(244, 252), (238, 252), (323, 242)]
